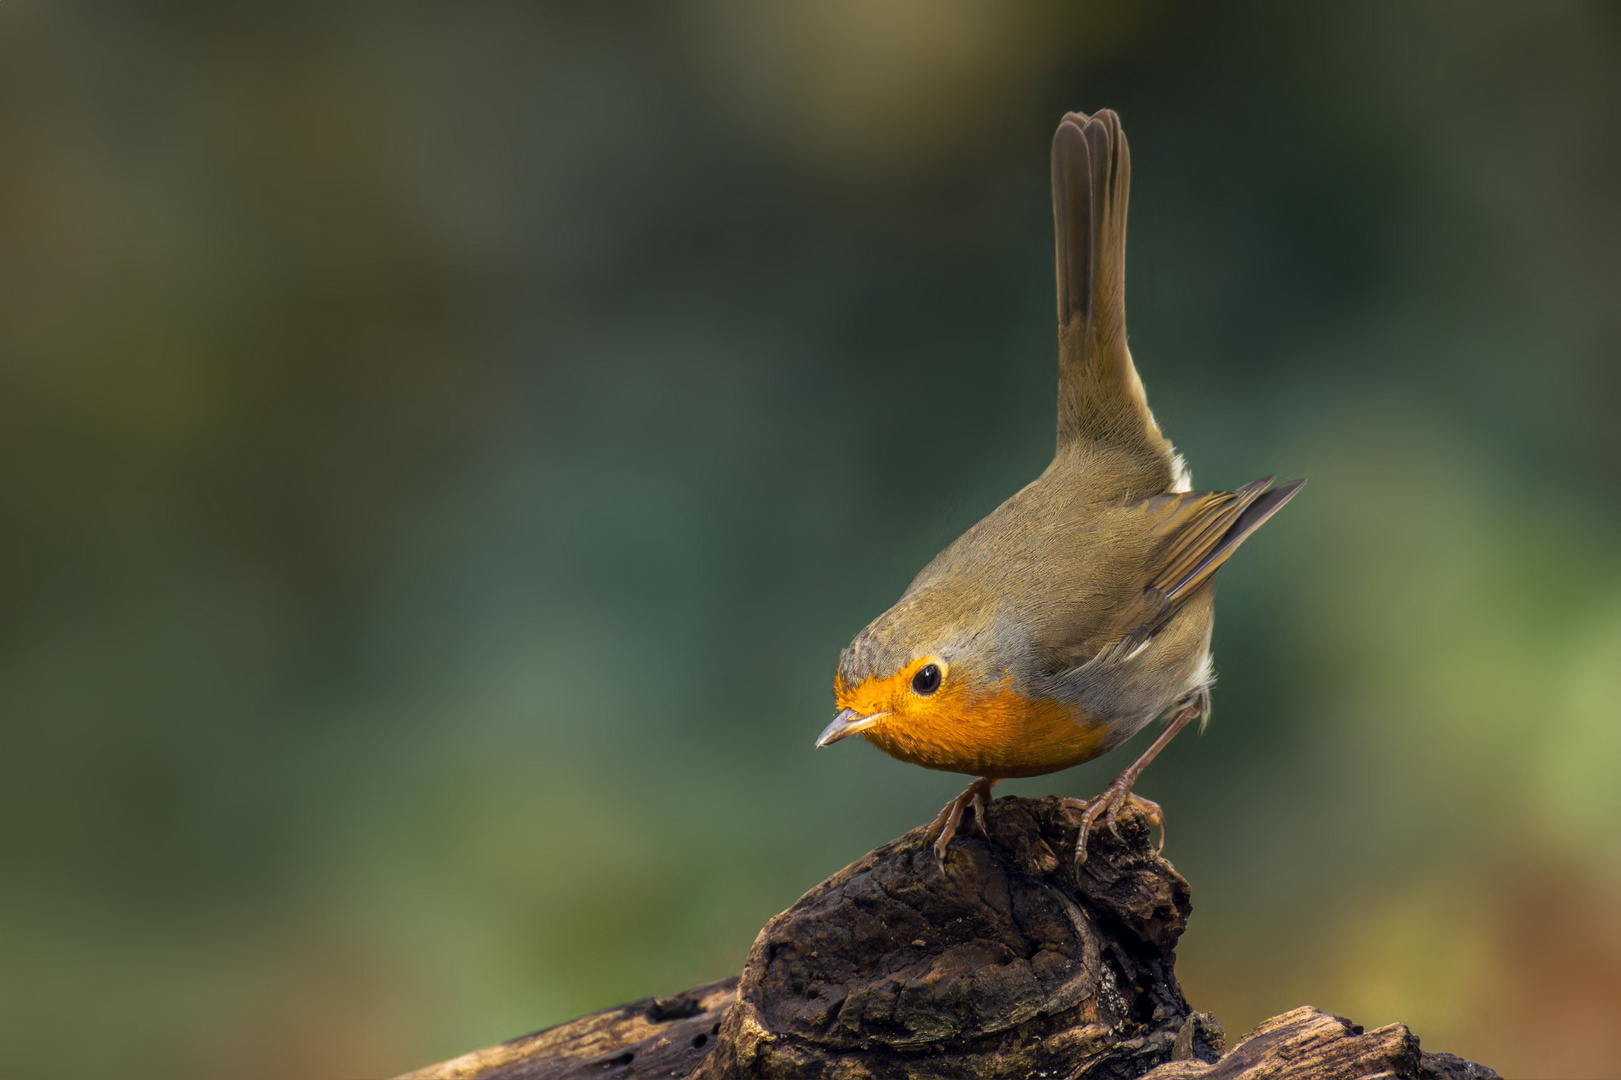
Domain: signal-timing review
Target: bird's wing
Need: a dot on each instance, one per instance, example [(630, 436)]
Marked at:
[(1199, 531), (1100, 397)]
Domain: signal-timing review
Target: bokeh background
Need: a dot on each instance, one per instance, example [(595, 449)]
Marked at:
[(443, 448)]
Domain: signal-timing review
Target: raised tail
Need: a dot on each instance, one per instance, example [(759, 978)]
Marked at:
[(1100, 397)]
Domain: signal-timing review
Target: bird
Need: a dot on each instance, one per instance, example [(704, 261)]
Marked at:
[(1079, 611)]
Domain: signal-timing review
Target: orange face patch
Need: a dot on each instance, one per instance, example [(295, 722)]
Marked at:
[(971, 726)]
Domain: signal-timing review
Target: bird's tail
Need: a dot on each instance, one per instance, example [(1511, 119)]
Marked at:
[(1100, 397)]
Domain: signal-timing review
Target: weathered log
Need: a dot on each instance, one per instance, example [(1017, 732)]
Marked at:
[(1305, 1044), (654, 1037), (1006, 962)]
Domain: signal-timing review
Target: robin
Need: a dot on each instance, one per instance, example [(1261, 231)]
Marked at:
[(1078, 611)]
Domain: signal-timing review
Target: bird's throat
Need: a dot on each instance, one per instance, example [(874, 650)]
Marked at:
[(996, 733)]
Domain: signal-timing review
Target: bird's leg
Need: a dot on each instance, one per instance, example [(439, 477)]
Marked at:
[(1118, 794), (974, 797)]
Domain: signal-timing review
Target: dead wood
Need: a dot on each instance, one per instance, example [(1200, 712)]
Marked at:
[(1006, 964), (659, 1036)]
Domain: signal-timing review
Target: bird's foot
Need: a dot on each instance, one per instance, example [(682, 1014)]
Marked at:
[(975, 797), (1116, 797), (1118, 794)]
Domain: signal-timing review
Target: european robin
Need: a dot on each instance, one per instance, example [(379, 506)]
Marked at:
[(1078, 611)]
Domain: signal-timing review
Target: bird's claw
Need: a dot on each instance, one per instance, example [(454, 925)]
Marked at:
[(979, 804), (940, 831), (943, 828), (1118, 794), (1108, 805)]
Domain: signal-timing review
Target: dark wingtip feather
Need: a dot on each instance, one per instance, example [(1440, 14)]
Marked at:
[(1254, 486), (1256, 513), (1251, 518)]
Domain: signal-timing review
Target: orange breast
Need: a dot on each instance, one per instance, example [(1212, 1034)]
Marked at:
[(992, 732)]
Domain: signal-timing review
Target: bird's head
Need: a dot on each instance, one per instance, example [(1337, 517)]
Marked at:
[(914, 668), (933, 681)]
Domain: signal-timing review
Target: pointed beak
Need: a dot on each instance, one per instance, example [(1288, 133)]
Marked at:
[(847, 723)]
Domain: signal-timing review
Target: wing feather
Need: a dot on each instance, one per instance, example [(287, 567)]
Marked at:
[(1201, 531)]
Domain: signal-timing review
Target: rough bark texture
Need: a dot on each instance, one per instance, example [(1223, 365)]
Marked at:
[(662, 1037), (1006, 964), (1305, 1044)]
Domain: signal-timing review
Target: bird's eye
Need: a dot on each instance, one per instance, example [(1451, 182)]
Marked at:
[(927, 679)]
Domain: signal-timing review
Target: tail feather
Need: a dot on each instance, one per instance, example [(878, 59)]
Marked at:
[(1100, 397)]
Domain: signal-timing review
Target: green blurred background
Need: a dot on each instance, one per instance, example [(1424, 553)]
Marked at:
[(443, 448)]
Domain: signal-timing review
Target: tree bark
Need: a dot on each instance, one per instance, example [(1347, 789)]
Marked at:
[(1007, 962)]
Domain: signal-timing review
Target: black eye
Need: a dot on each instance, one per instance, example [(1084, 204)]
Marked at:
[(927, 680)]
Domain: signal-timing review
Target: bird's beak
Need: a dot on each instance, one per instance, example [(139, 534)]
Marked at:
[(848, 722)]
